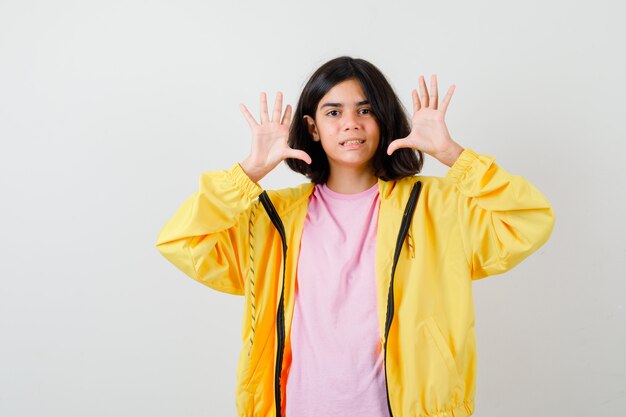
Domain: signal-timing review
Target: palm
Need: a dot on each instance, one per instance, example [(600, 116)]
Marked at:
[(269, 138), (271, 141), (429, 132)]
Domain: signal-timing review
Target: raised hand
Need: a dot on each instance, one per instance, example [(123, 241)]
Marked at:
[(429, 132), (269, 139)]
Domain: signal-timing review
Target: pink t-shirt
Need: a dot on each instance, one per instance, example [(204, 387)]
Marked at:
[(337, 368)]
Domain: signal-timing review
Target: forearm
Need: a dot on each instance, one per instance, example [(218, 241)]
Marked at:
[(503, 217), (207, 237)]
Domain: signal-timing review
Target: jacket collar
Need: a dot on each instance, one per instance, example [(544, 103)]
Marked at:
[(287, 199)]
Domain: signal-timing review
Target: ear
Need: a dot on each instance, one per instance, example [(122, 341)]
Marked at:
[(311, 127)]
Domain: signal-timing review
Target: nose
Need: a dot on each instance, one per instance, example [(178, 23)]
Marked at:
[(350, 121)]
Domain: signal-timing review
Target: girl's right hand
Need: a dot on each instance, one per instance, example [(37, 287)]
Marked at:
[(269, 139)]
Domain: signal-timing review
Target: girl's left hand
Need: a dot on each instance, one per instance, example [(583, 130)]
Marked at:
[(429, 133)]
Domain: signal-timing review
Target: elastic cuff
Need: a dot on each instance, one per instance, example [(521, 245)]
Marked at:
[(461, 165), (249, 187)]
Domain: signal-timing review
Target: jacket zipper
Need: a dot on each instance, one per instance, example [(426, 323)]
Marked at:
[(404, 228), (280, 315)]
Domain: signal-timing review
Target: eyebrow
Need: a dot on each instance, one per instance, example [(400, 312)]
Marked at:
[(360, 103)]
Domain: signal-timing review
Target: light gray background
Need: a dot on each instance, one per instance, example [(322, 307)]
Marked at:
[(111, 110)]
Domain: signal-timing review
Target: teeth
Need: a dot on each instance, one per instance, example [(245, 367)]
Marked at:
[(353, 142)]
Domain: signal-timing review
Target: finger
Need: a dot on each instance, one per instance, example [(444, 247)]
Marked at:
[(264, 115), (397, 144), (423, 91), (434, 95), (249, 118), (416, 101), (278, 107), (297, 154), (447, 98), (287, 116)]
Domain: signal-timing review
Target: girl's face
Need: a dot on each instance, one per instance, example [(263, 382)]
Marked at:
[(344, 116)]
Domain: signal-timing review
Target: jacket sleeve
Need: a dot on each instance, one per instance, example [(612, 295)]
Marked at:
[(503, 217), (207, 238)]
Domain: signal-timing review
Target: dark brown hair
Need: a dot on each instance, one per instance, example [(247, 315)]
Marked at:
[(391, 116)]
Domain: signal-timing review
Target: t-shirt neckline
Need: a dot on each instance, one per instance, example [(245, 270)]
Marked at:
[(341, 196)]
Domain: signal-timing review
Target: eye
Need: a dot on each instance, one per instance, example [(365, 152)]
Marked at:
[(367, 111), (332, 111)]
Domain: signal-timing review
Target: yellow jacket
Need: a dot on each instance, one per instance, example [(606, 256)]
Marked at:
[(478, 220)]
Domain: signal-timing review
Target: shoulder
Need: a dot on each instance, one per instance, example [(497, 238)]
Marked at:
[(286, 199), (433, 190)]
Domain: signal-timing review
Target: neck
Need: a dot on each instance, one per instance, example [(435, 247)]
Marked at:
[(350, 180)]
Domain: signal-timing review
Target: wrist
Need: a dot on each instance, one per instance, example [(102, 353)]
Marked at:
[(450, 154), (253, 173)]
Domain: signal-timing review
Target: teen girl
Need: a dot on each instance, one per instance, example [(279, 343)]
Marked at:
[(357, 284)]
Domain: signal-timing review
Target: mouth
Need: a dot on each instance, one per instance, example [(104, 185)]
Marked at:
[(350, 142)]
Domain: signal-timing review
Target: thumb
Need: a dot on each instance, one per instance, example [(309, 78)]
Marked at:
[(298, 154), (397, 144)]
